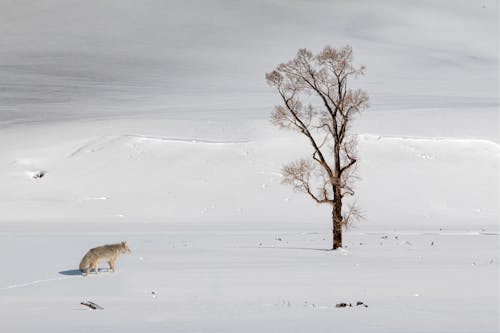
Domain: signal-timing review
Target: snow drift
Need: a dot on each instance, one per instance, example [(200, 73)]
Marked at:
[(169, 177)]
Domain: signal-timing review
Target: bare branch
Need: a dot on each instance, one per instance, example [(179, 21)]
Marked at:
[(353, 213), (299, 175)]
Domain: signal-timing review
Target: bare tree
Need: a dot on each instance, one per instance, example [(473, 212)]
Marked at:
[(319, 104)]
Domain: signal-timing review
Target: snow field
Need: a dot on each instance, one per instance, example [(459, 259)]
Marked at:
[(219, 245), (215, 281)]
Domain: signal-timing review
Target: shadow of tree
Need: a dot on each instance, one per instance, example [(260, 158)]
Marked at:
[(292, 248)]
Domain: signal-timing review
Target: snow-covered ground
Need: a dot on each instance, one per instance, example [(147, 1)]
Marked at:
[(226, 248), (149, 123), (208, 279)]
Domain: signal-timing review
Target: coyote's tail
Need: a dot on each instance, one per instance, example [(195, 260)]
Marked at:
[(84, 263)]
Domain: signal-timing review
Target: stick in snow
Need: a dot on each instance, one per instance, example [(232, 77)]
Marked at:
[(92, 305)]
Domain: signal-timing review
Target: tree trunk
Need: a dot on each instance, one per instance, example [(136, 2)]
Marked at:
[(337, 202), (337, 224)]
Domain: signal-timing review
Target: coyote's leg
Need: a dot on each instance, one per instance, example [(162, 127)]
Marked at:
[(94, 266), (112, 265)]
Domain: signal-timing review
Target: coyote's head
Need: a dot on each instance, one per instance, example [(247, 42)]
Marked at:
[(123, 247)]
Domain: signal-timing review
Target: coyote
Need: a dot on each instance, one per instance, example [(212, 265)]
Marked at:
[(107, 253)]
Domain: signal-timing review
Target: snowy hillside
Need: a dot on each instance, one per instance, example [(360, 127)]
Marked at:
[(73, 59), (229, 173)]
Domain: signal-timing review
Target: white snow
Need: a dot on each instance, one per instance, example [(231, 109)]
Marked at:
[(225, 247), (209, 279), (150, 124)]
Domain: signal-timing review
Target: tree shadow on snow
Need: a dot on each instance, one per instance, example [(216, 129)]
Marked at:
[(71, 272), (292, 248)]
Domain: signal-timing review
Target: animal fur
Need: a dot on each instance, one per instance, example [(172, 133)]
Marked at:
[(107, 253)]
